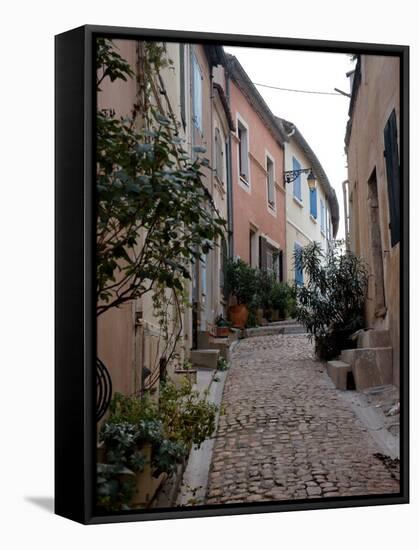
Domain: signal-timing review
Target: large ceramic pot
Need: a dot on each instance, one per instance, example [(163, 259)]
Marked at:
[(238, 315)]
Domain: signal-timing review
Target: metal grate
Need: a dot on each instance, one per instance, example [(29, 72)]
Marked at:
[(103, 389)]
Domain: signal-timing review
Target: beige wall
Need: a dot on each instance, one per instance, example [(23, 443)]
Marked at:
[(378, 95)]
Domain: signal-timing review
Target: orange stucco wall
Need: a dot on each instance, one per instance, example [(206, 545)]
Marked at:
[(251, 208)]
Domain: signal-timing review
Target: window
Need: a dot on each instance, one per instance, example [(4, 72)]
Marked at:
[(297, 182), (242, 134), (313, 203), (219, 155), (252, 247), (322, 216), (272, 263), (270, 182), (299, 278), (391, 154), (197, 94)]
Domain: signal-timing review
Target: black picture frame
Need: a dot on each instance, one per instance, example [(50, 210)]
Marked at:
[(75, 332)]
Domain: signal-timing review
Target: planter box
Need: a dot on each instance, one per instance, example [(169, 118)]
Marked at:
[(146, 485), (190, 374)]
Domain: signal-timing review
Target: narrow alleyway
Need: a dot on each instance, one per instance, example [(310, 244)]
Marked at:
[(287, 433)]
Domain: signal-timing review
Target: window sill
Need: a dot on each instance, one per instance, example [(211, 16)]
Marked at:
[(313, 219), (323, 233), (298, 201), (244, 180)]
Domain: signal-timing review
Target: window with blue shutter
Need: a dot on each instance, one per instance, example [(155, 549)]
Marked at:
[(299, 278), (322, 221), (197, 94), (313, 203), (297, 182)]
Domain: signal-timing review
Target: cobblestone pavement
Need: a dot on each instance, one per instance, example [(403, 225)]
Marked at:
[(286, 433)]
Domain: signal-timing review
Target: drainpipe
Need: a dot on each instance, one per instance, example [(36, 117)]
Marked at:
[(345, 209), (229, 179)]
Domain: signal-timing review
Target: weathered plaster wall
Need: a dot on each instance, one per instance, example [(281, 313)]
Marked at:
[(378, 95)]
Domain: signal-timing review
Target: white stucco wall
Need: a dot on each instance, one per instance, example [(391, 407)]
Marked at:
[(301, 227)]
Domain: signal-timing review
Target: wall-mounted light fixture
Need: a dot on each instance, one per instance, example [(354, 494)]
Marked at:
[(291, 175)]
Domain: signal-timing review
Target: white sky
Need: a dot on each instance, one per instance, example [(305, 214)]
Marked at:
[(320, 118)]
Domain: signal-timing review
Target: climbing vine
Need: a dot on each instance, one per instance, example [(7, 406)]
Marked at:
[(154, 215)]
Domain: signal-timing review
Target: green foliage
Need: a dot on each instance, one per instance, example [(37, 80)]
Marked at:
[(265, 283), (331, 304), (282, 299), (242, 281), (187, 418), (222, 364), (154, 216), (168, 455), (180, 419)]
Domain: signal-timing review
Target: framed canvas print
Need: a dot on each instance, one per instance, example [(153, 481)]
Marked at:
[(231, 274)]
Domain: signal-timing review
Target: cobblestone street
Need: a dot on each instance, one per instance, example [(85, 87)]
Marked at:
[(287, 433)]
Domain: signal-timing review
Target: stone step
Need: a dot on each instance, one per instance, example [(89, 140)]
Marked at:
[(205, 358), (373, 338), (338, 371), (222, 344), (271, 330), (370, 366)]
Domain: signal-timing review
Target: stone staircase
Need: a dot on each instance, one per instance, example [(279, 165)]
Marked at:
[(289, 326), (368, 365)]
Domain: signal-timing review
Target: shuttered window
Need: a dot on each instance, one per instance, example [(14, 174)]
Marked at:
[(299, 278), (313, 203), (297, 182), (391, 154), (270, 183), (197, 94), (322, 216)]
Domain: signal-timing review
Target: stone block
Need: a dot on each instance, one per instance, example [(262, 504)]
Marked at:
[(205, 358), (372, 367), (373, 338), (338, 372)]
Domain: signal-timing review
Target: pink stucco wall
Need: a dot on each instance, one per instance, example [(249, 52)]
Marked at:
[(251, 208)]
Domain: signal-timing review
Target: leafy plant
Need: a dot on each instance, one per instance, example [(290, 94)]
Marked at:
[(154, 216), (187, 417), (282, 298), (265, 283), (242, 280), (331, 304), (222, 364)]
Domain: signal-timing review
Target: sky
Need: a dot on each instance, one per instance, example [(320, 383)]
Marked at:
[(320, 118)]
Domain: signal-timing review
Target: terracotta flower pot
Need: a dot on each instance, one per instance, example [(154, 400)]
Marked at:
[(238, 315), (223, 332)]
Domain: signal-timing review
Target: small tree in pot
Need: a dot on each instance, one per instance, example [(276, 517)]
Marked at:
[(242, 283)]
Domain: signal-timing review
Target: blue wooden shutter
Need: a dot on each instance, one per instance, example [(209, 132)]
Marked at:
[(297, 182), (313, 202), (299, 278), (391, 154)]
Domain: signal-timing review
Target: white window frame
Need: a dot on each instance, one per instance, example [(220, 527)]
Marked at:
[(246, 185), (271, 206)]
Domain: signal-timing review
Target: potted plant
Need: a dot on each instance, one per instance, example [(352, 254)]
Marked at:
[(282, 300), (242, 284), (222, 326)]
